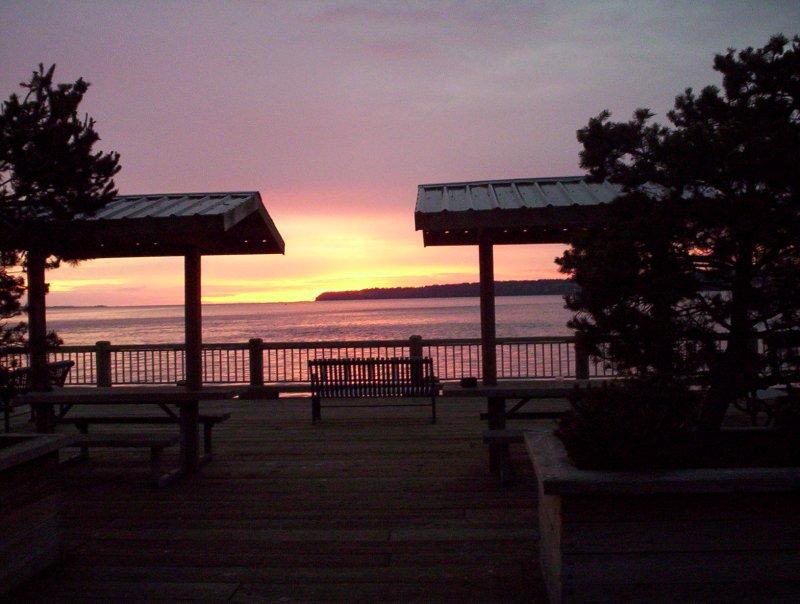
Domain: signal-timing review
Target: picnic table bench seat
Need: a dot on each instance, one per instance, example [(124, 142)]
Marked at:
[(371, 378), (502, 439), (209, 420), (505, 437), (154, 441)]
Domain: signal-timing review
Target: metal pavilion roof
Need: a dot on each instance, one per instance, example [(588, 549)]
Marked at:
[(532, 210), (160, 225)]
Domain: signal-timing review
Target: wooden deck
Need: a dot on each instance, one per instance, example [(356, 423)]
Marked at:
[(371, 505)]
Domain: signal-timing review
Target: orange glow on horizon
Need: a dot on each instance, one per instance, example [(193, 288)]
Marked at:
[(71, 285), (350, 251)]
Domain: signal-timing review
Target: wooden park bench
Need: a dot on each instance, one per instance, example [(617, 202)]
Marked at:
[(372, 378), (155, 442), (209, 420), (20, 379)]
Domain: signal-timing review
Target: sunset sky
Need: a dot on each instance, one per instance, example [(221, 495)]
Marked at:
[(336, 111)]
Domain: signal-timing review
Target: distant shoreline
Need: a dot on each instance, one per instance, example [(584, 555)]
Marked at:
[(538, 287), (71, 306), (461, 290)]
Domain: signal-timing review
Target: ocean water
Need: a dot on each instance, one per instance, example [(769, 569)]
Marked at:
[(312, 321)]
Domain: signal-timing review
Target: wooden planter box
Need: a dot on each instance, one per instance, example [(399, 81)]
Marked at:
[(29, 505), (710, 535)]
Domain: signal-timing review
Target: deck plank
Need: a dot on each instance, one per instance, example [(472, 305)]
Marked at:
[(372, 505)]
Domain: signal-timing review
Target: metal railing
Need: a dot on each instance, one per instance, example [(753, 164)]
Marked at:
[(257, 362)]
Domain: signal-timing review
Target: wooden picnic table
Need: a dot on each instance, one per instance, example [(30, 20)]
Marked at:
[(187, 401), (522, 393)]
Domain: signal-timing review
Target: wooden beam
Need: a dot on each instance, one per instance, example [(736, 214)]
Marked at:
[(37, 319), (193, 320), (518, 218), (488, 328)]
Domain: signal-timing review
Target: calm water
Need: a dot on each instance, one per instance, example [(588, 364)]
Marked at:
[(312, 321)]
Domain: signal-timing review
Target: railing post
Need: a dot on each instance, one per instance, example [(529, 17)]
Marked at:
[(581, 361), (415, 347), (255, 347), (415, 352), (103, 363)]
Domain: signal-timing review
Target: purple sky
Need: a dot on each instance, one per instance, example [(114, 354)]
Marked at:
[(336, 111)]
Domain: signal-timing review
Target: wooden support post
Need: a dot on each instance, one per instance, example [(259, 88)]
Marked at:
[(103, 363), (581, 361), (498, 452), (37, 319), (488, 328), (193, 320), (189, 417), (256, 354)]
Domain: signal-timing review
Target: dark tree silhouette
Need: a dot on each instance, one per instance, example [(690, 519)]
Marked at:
[(48, 170), (706, 236), (634, 278)]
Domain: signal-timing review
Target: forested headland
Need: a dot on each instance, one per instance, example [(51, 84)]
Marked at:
[(538, 287)]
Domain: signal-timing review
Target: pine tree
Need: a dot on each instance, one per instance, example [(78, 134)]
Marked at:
[(706, 236), (48, 171)]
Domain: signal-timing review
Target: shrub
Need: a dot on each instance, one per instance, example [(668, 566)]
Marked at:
[(787, 415), (636, 425)]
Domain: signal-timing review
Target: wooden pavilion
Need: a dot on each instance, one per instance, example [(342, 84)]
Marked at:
[(498, 212), (191, 225)]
